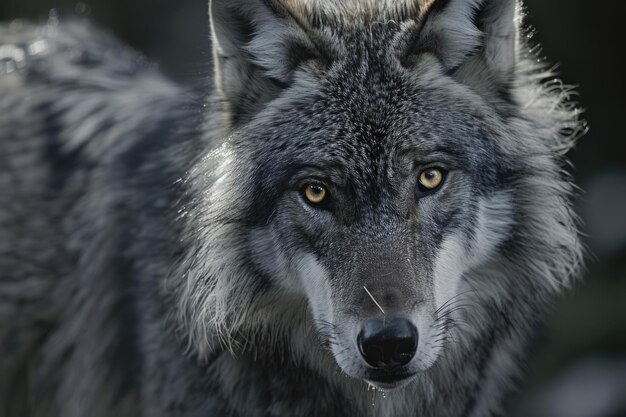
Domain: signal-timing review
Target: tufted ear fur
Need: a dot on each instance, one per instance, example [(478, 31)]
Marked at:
[(257, 44), (476, 40)]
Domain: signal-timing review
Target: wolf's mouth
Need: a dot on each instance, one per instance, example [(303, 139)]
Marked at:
[(390, 381)]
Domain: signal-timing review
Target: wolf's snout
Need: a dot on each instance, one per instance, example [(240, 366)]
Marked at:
[(385, 343)]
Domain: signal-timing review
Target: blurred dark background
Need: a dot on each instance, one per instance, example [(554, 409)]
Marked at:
[(580, 367)]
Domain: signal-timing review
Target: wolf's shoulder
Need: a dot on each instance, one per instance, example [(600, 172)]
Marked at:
[(79, 88), (80, 114), (79, 111), (56, 50)]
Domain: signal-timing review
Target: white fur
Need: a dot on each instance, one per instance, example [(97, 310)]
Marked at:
[(453, 260)]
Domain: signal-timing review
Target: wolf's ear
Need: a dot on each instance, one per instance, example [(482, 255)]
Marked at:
[(477, 40), (257, 44)]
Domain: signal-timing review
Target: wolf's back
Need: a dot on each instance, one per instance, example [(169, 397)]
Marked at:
[(76, 110)]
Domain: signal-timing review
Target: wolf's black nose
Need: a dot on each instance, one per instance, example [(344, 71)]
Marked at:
[(387, 343)]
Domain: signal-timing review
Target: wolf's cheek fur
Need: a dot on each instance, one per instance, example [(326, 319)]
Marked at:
[(460, 251), (316, 283), (299, 274)]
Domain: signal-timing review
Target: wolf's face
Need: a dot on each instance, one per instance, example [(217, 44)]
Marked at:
[(368, 170), (379, 193)]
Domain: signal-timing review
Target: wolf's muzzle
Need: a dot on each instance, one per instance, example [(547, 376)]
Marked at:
[(386, 344)]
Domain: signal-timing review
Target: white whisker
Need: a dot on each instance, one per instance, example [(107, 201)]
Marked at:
[(373, 299)]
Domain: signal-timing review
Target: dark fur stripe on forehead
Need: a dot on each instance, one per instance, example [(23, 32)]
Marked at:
[(334, 12)]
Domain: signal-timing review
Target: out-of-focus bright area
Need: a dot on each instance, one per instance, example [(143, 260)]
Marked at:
[(579, 369)]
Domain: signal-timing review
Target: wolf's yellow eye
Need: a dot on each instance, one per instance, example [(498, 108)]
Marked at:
[(431, 178), (315, 194)]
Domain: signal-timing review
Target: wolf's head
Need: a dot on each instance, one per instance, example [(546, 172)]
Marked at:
[(391, 165)]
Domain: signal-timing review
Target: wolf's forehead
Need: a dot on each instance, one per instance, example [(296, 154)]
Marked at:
[(315, 11)]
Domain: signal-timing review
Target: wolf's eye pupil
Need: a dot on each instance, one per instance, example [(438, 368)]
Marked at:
[(315, 194), (431, 179)]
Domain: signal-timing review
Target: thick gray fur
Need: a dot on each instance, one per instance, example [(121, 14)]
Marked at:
[(157, 257)]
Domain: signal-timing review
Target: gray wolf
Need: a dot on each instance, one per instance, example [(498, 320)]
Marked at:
[(368, 215)]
